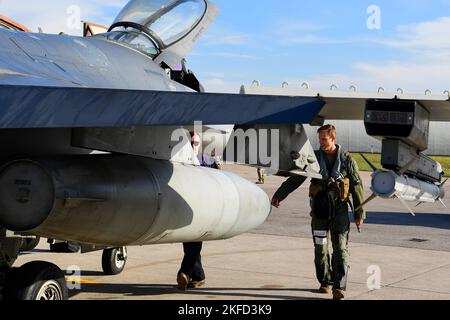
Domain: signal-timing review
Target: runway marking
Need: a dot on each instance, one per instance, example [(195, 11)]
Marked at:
[(272, 286), (80, 281)]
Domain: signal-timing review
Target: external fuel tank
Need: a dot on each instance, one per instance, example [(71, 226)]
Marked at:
[(118, 200)]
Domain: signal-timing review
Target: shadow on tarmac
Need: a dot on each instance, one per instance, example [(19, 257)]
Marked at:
[(430, 220), (135, 290)]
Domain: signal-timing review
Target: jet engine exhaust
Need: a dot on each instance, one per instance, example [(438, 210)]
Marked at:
[(117, 200)]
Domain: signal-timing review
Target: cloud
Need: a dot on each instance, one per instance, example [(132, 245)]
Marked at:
[(225, 54), (290, 31), (423, 36), (425, 62), (233, 55), (427, 35), (292, 26), (312, 39), (229, 39)]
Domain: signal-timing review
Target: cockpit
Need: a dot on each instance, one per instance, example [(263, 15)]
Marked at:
[(151, 26)]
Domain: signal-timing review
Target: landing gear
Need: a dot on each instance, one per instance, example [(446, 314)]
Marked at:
[(9, 250), (36, 280), (114, 260), (29, 244), (33, 281), (64, 247)]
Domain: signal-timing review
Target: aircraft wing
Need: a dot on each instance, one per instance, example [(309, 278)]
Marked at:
[(350, 105), (71, 107)]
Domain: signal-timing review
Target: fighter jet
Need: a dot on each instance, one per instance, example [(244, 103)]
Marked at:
[(127, 92)]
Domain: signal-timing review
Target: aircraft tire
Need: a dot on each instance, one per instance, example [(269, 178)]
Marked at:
[(37, 280), (114, 261)]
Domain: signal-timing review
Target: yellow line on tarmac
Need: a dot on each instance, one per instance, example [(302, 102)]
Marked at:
[(81, 281)]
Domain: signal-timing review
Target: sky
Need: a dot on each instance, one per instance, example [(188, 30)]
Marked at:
[(393, 44)]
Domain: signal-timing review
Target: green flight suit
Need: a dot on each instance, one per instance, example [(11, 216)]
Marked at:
[(332, 271)]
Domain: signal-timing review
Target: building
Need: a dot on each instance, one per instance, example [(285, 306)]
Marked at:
[(353, 137)]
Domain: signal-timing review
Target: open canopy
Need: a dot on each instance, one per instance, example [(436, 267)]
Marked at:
[(167, 20)]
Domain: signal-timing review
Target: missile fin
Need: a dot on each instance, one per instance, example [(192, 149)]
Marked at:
[(371, 165), (406, 205), (372, 197)]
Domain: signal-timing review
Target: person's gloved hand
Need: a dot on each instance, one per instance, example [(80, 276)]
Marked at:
[(276, 203), (359, 222)]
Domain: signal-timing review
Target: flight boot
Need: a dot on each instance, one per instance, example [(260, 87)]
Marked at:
[(182, 281), (338, 294)]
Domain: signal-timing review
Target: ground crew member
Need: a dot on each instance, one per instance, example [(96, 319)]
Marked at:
[(261, 175), (191, 273), (330, 201)]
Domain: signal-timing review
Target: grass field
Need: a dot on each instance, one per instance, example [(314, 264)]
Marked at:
[(376, 158)]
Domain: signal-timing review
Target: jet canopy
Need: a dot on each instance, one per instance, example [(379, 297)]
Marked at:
[(166, 21)]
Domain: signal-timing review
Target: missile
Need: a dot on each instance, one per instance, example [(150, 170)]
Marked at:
[(388, 184)]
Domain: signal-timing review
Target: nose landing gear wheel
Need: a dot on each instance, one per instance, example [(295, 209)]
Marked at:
[(36, 280), (114, 260)]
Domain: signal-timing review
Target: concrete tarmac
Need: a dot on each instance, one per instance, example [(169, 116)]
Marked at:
[(407, 257)]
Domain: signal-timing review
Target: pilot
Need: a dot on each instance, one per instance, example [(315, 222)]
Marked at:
[(330, 201), (191, 274)]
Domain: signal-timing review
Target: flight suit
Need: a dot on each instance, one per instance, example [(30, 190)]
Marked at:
[(332, 271), (261, 176), (192, 261)]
